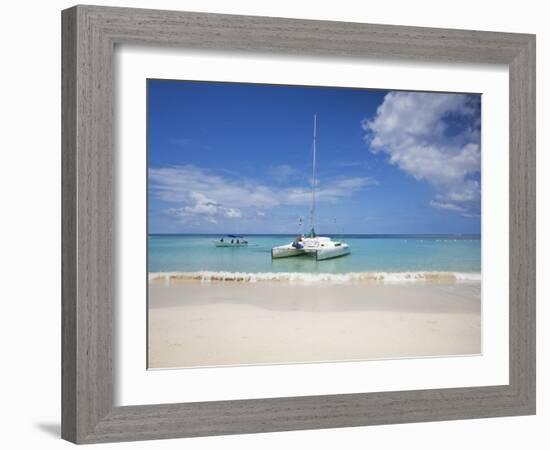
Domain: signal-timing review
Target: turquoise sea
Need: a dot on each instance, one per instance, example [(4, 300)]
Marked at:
[(369, 253)]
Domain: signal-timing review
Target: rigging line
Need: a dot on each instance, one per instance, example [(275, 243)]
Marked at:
[(314, 177)]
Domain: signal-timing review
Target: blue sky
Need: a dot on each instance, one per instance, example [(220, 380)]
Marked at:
[(236, 158)]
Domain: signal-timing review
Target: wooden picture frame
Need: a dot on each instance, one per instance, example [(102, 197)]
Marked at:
[(90, 34)]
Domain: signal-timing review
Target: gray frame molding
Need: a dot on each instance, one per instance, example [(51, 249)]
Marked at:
[(89, 36)]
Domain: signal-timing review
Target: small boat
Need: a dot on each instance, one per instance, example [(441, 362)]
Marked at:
[(319, 246), (231, 240)]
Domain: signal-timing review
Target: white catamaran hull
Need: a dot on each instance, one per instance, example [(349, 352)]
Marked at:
[(332, 252), (286, 251), (321, 251)]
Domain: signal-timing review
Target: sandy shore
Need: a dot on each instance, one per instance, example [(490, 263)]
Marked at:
[(229, 323)]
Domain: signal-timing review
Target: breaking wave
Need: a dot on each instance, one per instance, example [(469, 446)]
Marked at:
[(297, 277)]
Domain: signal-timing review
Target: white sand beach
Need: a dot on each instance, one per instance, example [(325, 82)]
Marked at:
[(194, 323)]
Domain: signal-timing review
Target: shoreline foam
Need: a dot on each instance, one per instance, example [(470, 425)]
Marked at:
[(299, 277)]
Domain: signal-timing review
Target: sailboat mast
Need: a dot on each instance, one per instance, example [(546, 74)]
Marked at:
[(314, 174)]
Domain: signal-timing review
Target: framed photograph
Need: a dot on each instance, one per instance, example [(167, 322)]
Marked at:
[(277, 224)]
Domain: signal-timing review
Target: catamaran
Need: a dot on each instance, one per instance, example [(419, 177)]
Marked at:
[(319, 246), (231, 240)]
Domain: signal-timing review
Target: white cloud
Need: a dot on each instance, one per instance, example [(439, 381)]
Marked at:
[(202, 195), (414, 130), (282, 172), (182, 184), (352, 184), (329, 193), (232, 213), (203, 207), (449, 206)]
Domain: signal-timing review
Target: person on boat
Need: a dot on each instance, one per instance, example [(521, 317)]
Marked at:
[(232, 241), (297, 243), (221, 240), (237, 241)]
